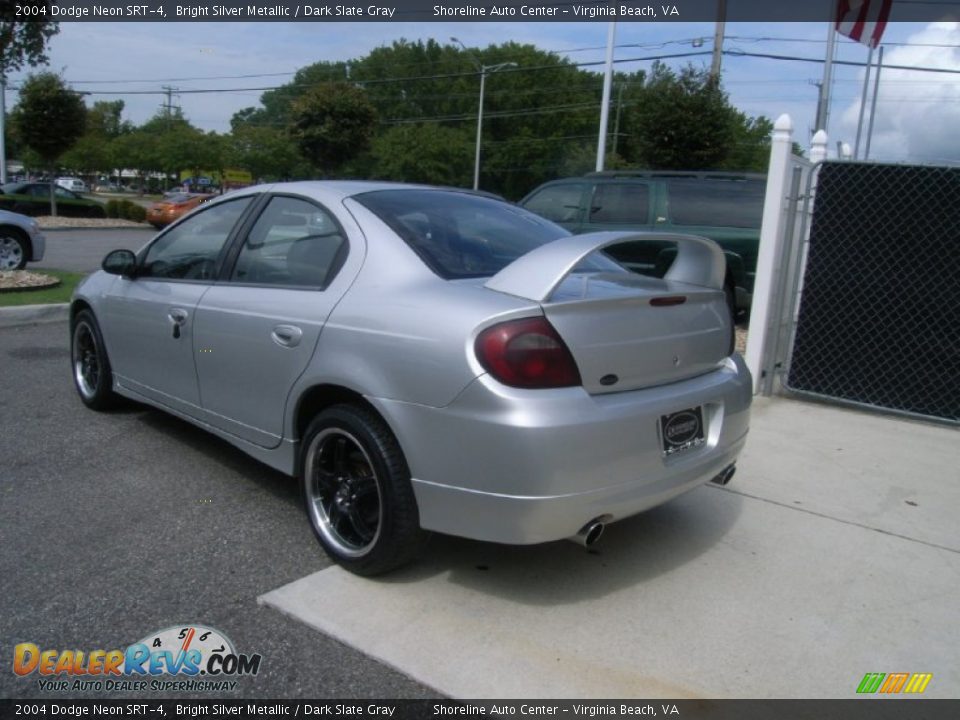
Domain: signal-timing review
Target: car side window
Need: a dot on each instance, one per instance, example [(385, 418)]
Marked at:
[(621, 203), (189, 251), (559, 203), (293, 243)]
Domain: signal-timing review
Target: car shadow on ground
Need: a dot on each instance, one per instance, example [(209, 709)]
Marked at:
[(631, 552), (236, 461)]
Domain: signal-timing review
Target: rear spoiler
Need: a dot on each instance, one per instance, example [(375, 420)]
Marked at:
[(537, 274)]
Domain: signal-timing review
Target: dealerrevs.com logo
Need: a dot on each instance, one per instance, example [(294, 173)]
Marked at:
[(185, 658)]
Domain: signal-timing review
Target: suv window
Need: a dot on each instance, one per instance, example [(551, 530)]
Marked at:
[(621, 203), (717, 202), (560, 203), (293, 242), (189, 251)]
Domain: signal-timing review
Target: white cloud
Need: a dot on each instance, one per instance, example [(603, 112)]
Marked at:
[(918, 113)]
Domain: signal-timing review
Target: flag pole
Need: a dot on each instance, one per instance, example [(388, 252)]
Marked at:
[(873, 104), (863, 104), (605, 103), (824, 105)]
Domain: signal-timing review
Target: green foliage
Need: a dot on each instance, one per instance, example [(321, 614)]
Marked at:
[(424, 154), (49, 117), (268, 153), (125, 209), (24, 42), (681, 121), (332, 123)]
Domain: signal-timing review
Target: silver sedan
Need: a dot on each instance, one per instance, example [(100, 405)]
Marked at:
[(424, 359)]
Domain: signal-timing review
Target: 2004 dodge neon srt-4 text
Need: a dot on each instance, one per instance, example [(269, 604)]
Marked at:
[(424, 359)]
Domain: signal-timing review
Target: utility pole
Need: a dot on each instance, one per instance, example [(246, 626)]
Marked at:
[(718, 32), (168, 105)]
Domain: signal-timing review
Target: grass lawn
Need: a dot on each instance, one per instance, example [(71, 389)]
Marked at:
[(59, 294)]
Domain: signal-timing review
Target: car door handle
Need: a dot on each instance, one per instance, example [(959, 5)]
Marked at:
[(286, 335), (177, 316)]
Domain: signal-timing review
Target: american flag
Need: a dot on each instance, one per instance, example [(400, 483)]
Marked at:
[(863, 20)]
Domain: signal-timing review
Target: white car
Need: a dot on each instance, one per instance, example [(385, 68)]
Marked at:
[(20, 241), (72, 183)]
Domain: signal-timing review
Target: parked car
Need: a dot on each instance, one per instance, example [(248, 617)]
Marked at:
[(424, 359), (34, 199), (20, 241), (71, 183), (725, 207), (173, 207)]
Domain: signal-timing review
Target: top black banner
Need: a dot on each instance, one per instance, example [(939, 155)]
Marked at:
[(659, 11)]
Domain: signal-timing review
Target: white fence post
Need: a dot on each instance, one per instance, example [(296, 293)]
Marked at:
[(768, 277)]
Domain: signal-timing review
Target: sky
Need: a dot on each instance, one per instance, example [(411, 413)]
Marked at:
[(918, 113)]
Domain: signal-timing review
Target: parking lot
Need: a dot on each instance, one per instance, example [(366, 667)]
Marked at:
[(119, 525), (833, 553)]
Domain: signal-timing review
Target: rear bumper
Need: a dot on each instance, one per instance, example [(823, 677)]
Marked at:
[(525, 467)]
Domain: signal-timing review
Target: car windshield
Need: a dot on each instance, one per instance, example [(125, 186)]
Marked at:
[(462, 235), (181, 198), (11, 188), (719, 202)]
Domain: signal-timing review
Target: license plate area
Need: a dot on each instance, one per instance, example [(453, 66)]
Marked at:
[(681, 431)]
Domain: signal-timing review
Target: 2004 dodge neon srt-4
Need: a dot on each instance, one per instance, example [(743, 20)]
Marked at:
[(424, 359)]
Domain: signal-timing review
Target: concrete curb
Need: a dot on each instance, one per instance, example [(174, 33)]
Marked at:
[(33, 314)]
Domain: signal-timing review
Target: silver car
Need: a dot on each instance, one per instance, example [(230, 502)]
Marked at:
[(424, 359), (20, 241)]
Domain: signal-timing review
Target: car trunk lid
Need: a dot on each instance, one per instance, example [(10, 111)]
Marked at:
[(627, 331)]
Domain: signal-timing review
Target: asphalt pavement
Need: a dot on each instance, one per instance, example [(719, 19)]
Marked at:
[(83, 250), (116, 525)]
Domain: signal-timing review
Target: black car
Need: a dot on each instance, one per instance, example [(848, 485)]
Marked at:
[(33, 198)]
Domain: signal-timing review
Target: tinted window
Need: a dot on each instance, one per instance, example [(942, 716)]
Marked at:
[(189, 251), (293, 242), (560, 203), (716, 202), (460, 235), (621, 203)]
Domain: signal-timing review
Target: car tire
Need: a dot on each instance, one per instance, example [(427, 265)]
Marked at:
[(357, 492), (13, 250), (92, 375)]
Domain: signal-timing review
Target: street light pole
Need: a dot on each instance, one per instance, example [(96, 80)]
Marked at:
[(476, 156), (484, 69)]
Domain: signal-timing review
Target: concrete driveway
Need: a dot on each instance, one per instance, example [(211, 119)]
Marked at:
[(833, 553)]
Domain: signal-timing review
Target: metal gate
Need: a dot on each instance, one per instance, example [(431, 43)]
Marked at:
[(878, 322)]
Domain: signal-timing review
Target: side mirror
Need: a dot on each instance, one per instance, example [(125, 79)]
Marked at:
[(120, 262)]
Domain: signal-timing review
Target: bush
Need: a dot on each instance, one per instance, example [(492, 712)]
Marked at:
[(126, 210)]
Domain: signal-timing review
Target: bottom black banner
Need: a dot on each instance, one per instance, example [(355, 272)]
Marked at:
[(864, 708)]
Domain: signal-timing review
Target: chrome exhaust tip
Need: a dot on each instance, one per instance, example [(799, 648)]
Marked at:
[(589, 533), (725, 476)]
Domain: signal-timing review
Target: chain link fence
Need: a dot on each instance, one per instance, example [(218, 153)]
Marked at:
[(879, 317)]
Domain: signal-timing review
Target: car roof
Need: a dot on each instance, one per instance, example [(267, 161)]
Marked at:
[(340, 189)]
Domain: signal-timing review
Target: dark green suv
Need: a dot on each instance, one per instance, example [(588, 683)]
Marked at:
[(723, 206)]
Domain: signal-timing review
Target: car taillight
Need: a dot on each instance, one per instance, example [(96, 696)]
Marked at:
[(527, 353)]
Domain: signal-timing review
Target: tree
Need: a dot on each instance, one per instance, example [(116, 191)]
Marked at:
[(20, 42), (425, 154), (50, 118), (332, 123), (93, 152), (681, 121), (268, 153), (25, 42)]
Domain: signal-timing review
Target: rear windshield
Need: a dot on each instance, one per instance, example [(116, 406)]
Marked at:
[(717, 202), (459, 235)]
